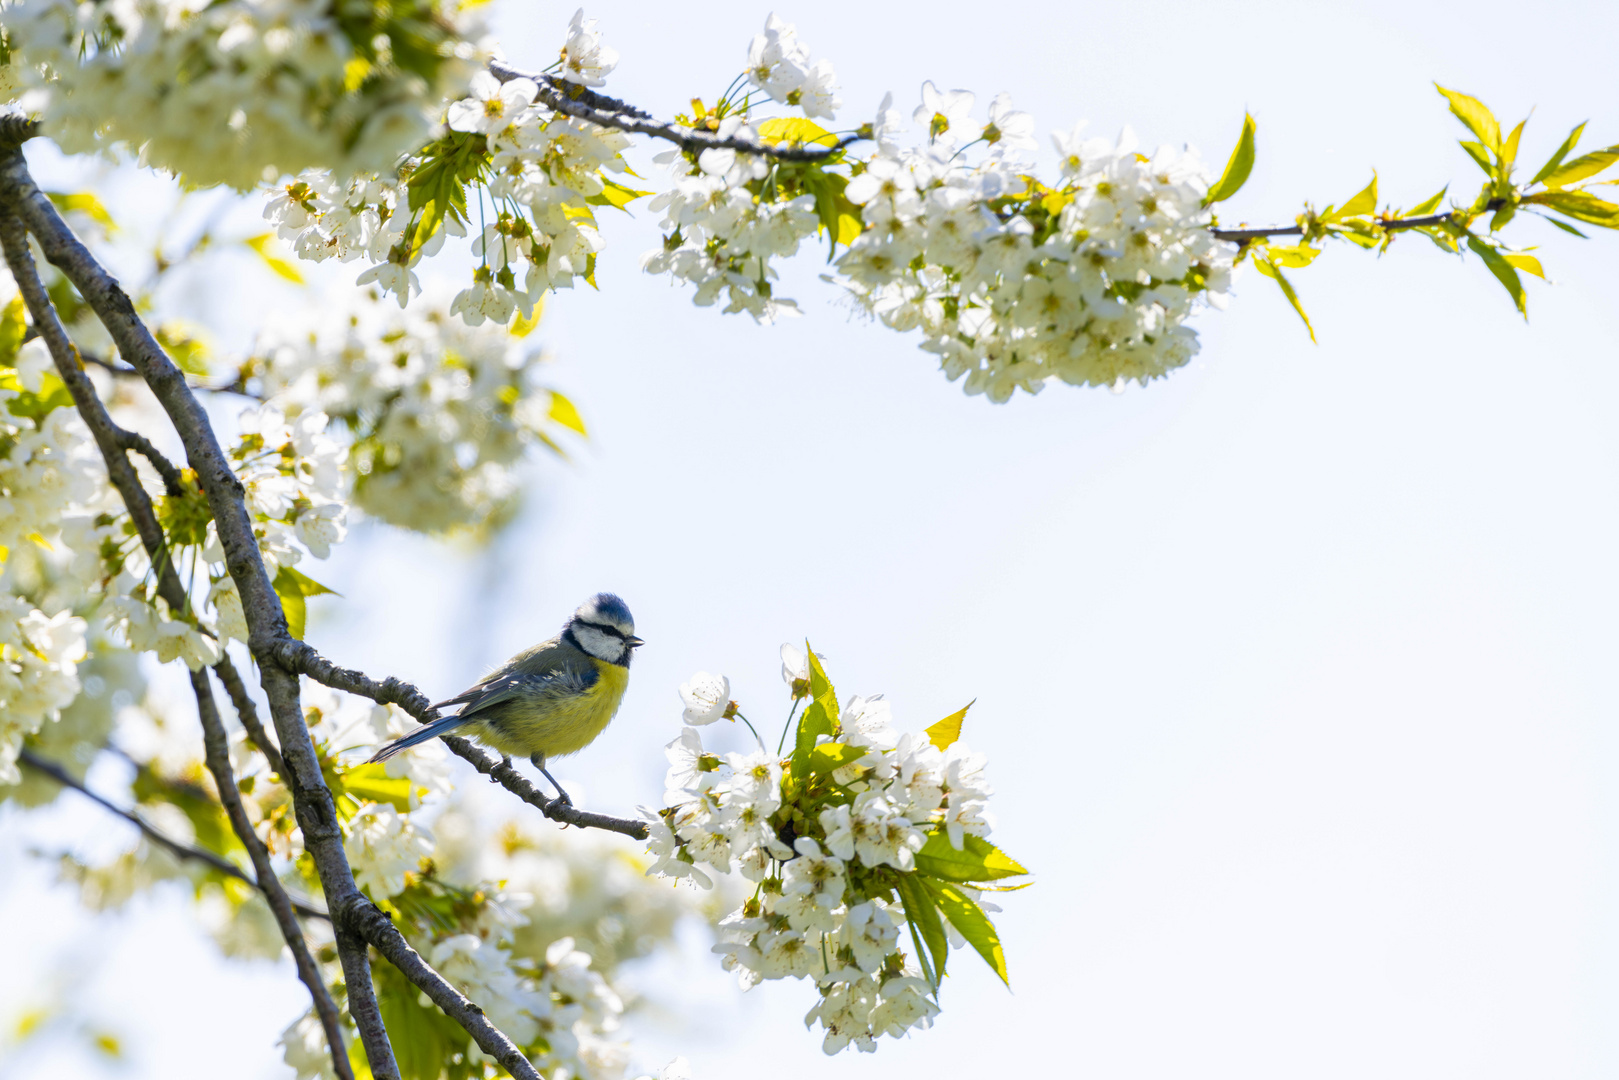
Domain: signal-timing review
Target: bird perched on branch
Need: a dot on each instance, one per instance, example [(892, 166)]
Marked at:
[(548, 701)]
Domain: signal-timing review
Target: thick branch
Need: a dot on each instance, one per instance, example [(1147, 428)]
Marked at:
[(16, 129), (297, 656), (312, 799), (576, 101), (216, 749), (174, 847)]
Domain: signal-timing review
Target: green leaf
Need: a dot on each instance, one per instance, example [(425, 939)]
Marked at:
[(292, 586), (795, 129), (372, 783), (13, 327), (263, 245), (1503, 271), (979, 860), (424, 1039), (1364, 202), (1480, 156), (53, 394), (1581, 206), (562, 411), (1291, 257), (830, 757), (1527, 263), (971, 922), (1237, 168), (616, 195), (1265, 266), (841, 219), (820, 716), (1428, 205), (85, 203), (1566, 227), (1557, 159), (948, 730), (185, 346), (1581, 167), (922, 913), (1479, 120), (1509, 151)]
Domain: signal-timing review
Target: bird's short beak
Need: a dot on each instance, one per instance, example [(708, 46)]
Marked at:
[(634, 642)]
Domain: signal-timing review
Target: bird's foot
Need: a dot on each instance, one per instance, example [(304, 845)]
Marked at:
[(562, 796), (505, 759)]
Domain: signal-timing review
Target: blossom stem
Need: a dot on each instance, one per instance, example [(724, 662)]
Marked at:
[(782, 742)]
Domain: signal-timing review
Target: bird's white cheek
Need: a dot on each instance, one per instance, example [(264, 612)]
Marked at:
[(598, 644)]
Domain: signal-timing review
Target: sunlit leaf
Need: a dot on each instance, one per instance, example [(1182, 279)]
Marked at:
[(948, 730), (84, 203), (13, 327), (1364, 202), (1582, 167), (1428, 205), (1237, 167), (1580, 206), (1479, 120), (1503, 271), (1557, 159), (1480, 156), (185, 345), (830, 757), (922, 913), (264, 245), (1271, 270), (1509, 150), (372, 783), (820, 716), (616, 195), (1527, 263), (971, 922), (979, 860), (292, 586), (563, 412), (795, 130), (1566, 227)]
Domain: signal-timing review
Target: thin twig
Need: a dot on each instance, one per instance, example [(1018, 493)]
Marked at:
[(247, 712), (173, 846), (216, 752), (576, 101), (1244, 236), (295, 655)]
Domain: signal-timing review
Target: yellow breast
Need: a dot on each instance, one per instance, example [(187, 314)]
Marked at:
[(559, 726)]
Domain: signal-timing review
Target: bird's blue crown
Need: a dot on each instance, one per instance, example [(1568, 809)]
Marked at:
[(606, 608)]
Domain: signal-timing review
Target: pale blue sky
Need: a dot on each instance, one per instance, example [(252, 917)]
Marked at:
[(1294, 670)]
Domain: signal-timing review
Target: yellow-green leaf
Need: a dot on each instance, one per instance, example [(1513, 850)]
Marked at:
[(1557, 159), (1480, 156), (1237, 168), (372, 783), (830, 757), (795, 129), (979, 860), (1580, 205), (948, 730), (13, 327), (524, 325), (1527, 263), (563, 412), (87, 204), (1364, 202), (820, 716), (616, 195), (264, 245), (1428, 205), (1271, 270), (186, 346), (1509, 150), (1503, 271), (1582, 167), (292, 586), (1479, 120), (1291, 257), (971, 922), (927, 932)]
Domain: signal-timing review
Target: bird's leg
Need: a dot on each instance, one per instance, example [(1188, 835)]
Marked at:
[(539, 763), (506, 760)]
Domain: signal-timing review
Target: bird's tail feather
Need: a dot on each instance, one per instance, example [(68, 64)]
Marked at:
[(442, 726)]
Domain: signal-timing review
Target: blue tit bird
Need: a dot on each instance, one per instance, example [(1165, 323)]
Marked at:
[(550, 700)]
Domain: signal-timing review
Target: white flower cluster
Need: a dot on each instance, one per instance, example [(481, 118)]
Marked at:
[(1011, 284), (727, 216), (52, 489), (438, 414), (543, 170), (240, 91), (823, 908)]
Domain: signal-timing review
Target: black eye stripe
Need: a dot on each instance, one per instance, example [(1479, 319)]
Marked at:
[(615, 631)]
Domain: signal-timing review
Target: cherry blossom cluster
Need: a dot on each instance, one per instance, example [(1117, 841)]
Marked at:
[(521, 177), (844, 839), (435, 415), (54, 503), (244, 90)]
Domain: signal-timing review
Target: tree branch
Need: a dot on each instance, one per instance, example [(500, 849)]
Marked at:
[(294, 655), (216, 751), (573, 100), (174, 847), (1246, 236), (248, 713), (353, 914)]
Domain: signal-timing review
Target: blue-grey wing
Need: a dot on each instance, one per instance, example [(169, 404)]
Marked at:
[(559, 682)]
